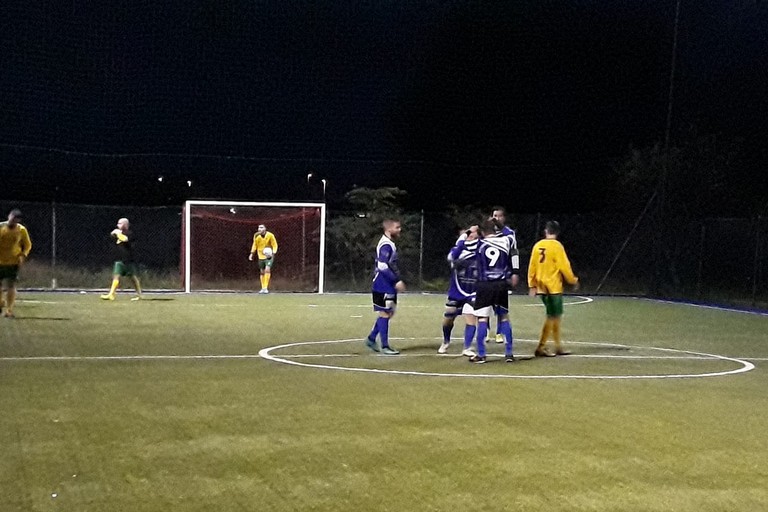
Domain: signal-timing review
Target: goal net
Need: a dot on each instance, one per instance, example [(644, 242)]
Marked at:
[(217, 237)]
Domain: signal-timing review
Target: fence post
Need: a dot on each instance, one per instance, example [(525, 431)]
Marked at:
[(303, 244), (421, 252), (700, 270), (53, 245), (756, 261)]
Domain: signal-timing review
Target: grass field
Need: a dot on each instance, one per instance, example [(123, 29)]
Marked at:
[(166, 404)]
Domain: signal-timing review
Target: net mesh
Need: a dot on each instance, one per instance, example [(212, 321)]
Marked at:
[(221, 237), (719, 260)]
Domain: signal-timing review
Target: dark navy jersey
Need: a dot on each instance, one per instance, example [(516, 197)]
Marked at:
[(385, 271), (463, 260), (497, 258)]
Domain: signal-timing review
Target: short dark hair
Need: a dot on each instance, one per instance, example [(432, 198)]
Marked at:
[(490, 226), (552, 227), (388, 221), (503, 210)]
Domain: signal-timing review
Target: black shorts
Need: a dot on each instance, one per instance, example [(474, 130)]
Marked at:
[(492, 293), (384, 301), (9, 272), (457, 303)]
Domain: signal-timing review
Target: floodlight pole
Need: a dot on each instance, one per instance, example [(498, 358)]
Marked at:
[(663, 182)]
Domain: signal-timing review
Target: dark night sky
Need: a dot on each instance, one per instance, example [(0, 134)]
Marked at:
[(455, 102)]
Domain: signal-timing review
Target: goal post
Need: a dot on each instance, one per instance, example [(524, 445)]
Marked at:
[(217, 237)]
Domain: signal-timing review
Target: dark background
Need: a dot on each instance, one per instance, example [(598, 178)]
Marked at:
[(455, 102)]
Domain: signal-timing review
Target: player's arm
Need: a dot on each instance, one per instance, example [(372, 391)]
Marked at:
[(119, 235), (514, 253), (565, 268), (385, 265), (533, 267), (26, 246), (514, 261), (455, 252), (273, 243), (254, 249)]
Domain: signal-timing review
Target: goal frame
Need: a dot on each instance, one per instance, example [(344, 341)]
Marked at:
[(188, 233)]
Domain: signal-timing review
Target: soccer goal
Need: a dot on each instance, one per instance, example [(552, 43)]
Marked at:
[(217, 236)]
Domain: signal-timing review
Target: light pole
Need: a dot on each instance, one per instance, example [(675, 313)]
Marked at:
[(325, 184)]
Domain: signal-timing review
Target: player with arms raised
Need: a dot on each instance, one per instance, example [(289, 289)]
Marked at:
[(385, 287), (498, 265), (461, 292)]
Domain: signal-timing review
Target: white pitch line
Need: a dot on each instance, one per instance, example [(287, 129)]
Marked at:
[(585, 300), (570, 356), (746, 366), (705, 306), (345, 355), (129, 358), (399, 306)]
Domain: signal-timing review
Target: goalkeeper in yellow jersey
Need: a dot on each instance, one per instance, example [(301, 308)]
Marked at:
[(14, 249), (264, 248), (125, 265), (548, 268)]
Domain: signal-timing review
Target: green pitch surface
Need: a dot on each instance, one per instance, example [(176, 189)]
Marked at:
[(273, 403)]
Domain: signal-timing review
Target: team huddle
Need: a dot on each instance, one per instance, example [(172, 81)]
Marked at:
[(485, 265)]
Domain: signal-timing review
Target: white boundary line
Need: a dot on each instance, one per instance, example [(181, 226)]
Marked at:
[(705, 306), (745, 365)]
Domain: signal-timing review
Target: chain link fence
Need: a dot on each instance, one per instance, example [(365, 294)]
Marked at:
[(719, 260)]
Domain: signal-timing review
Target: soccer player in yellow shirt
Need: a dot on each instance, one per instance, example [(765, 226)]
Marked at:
[(548, 268), (264, 247), (125, 264), (14, 250)]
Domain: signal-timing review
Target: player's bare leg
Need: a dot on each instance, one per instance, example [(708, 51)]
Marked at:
[(112, 289), (137, 287)]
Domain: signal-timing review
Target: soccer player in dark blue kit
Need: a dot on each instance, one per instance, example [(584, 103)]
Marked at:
[(461, 292), (498, 265), (499, 213), (385, 287)]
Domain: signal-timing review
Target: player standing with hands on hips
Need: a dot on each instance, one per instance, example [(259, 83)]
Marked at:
[(385, 287), (548, 267), (264, 247)]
